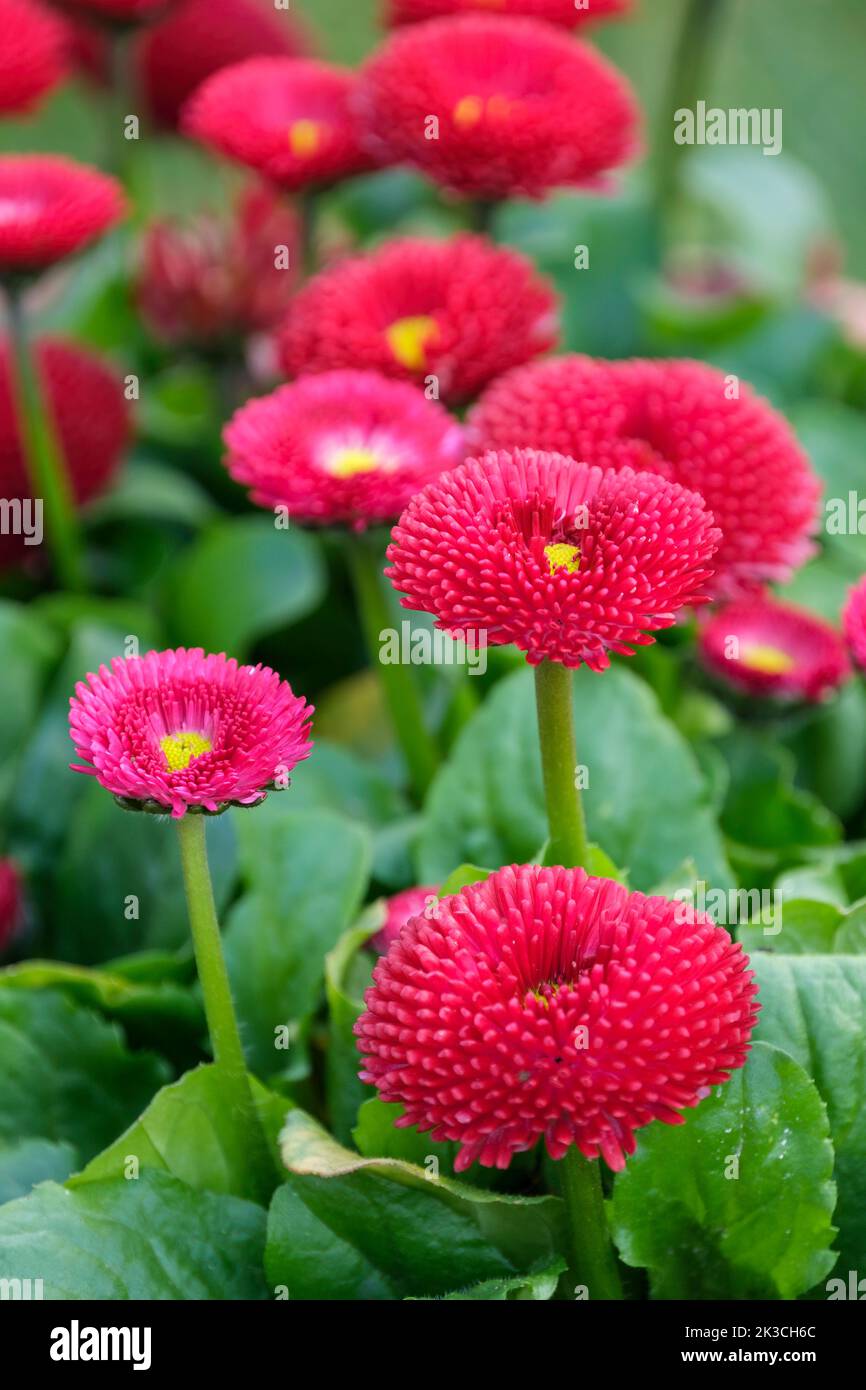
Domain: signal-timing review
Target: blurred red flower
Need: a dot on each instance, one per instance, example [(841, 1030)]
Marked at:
[(767, 648), (33, 54), (568, 13), (51, 207)]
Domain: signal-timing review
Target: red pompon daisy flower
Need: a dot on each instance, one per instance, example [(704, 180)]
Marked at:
[(93, 425), (685, 420), (32, 54), (292, 119), (199, 38), (461, 311), (568, 13), (493, 107), (51, 207), (767, 648), (215, 279), (180, 731), (566, 561), (543, 1002), (342, 447), (399, 909), (11, 902), (854, 622)]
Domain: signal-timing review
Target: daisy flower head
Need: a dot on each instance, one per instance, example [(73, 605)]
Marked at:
[(763, 647), (33, 57), (182, 731), (456, 312), (854, 622), (543, 1003), (198, 38), (345, 447), (690, 422), (51, 207), (399, 909), (567, 561), (291, 119), (494, 107)]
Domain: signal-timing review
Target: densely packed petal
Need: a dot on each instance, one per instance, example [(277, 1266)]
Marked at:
[(494, 107), (180, 730), (33, 56), (568, 13), (341, 447), (543, 1002), (460, 311), (767, 648), (51, 207), (854, 622), (292, 119), (199, 38), (91, 415), (567, 561), (214, 278), (691, 422)]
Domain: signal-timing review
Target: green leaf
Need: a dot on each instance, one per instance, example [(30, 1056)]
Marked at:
[(148, 1238), (536, 1288), (189, 1131), (66, 1074), (815, 1008), (380, 1228), (26, 1162), (834, 437), (163, 1016), (306, 876), (809, 926), (119, 885), (462, 877), (148, 490), (243, 579), (376, 1136), (486, 805), (764, 1233)]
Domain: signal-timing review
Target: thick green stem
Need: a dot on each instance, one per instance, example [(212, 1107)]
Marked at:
[(121, 103), (592, 1261), (686, 84), (398, 686), (567, 844), (43, 454), (218, 1005)]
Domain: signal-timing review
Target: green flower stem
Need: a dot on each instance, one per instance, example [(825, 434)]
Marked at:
[(686, 83), (592, 1260), (398, 686), (482, 212), (121, 94), (567, 844), (46, 465), (218, 1005)]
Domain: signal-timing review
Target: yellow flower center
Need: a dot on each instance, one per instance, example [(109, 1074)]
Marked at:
[(470, 110), (770, 661), (305, 138), (409, 339), (180, 749), (345, 463), (562, 557)]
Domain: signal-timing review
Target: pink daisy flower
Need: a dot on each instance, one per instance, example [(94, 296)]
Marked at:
[(568, 13), (51, 207), (543, 1002), (292, 119), (495, 107), (567, 561), (854, 622), (767, 648), (685, 420), (32, 54), (182, 731), (461, 311), (347, 447), (399, 909)]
